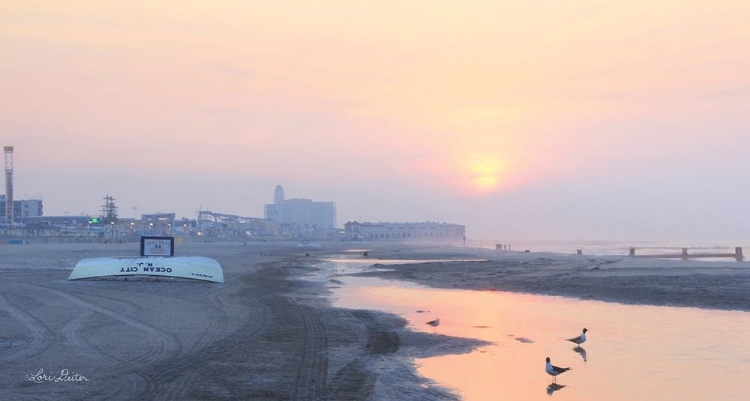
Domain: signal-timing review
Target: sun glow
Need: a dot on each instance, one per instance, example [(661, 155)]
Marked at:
[(485, 172)]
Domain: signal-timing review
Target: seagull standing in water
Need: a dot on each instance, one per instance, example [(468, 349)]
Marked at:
[(580, 339), (434, 323), (553, 370)]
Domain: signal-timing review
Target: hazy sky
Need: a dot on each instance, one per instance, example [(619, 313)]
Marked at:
[(521, 119)]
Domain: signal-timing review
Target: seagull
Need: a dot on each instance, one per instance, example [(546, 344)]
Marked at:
[(434, 323), (580, 339), (553, 370)]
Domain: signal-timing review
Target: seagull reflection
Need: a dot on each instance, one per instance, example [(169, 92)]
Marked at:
[(582, 352), (554, 387)]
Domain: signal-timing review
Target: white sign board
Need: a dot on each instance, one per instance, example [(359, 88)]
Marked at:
[(157, 246)]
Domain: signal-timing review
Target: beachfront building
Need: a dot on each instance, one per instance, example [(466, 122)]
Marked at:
[(80, 221), (61, 226), (22, 208), (158, 224), (232, 225), (404, 231), (301, 217)]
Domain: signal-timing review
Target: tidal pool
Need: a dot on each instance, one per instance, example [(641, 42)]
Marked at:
[(633, 352)]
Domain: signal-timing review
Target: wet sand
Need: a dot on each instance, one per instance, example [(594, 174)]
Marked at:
[(721, 285), (266, 335)]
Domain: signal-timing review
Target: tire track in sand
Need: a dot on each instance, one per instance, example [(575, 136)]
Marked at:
[(313, 370), (41, 336), (163, 346), (181, 372), (72, 332), (130, 383), (177, 376)]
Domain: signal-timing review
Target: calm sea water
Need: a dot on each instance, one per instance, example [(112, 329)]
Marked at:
[(633, 352)]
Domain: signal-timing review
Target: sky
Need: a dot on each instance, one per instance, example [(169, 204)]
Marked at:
[(567, 120)]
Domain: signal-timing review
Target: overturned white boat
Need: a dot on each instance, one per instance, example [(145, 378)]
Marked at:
[(191, 267)]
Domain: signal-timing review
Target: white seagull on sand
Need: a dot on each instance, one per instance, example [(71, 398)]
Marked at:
[(580, 339), (553, 370)]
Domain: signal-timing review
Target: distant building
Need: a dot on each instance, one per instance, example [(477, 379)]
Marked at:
[(157, 224), (301, 216), (22, 208), (404, 231), (79, 221), (232, 225)]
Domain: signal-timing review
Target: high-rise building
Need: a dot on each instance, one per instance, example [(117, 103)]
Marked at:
[(306, 216), (22, 208)]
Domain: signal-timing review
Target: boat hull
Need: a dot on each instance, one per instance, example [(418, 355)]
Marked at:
[(191, 267)]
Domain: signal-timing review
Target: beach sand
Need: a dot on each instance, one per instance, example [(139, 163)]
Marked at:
[(266, 335), (262, 335)]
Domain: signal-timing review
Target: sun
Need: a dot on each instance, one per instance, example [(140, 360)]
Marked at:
[(485, 172), (485, 183)]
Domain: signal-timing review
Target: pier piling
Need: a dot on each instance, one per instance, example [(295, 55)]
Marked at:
[(684, 255)]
